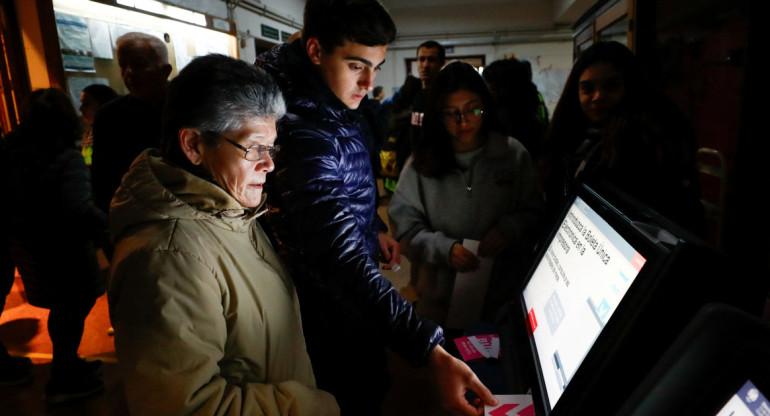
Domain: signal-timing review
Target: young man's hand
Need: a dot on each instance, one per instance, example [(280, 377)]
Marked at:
[(390, 249), (454, 379)]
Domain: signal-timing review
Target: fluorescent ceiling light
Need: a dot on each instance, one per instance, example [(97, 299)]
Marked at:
[(157, 7)]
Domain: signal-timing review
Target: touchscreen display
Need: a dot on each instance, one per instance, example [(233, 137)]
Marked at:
[(748, 401), (574, 290)]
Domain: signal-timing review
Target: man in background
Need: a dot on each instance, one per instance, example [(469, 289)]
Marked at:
[(430, 59), (126, 126), (378, 93)]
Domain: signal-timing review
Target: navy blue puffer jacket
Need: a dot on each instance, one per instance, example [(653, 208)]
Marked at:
[(326, 220)]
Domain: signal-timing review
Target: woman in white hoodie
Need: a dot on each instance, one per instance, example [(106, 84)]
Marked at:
[(465, 181)]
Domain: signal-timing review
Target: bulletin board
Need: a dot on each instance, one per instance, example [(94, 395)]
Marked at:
[(87, 41)]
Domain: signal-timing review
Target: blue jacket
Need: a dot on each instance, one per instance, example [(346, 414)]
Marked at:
[(326, 220)]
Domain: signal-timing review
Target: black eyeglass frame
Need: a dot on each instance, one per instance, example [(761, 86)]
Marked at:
[(261, 149), (469, 115)]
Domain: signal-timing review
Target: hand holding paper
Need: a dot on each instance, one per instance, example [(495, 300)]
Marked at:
[(463, 259), (492, 244), (390, 251), (454, 378), (511, 405), (469, 290)]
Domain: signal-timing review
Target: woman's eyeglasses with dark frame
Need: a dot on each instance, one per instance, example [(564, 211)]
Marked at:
[(470, 115), (252, 153)]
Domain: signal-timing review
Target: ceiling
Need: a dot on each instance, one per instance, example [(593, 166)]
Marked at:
[(461, 18)]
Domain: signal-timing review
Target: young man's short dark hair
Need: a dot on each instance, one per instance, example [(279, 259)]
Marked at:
[(335, 21)]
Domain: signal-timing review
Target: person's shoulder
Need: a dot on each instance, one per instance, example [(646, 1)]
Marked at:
[(273, 59), (117, 103), (507, 150), (409, 173), (314, 118), (418, 100), (500, 145), (67, 160), (515, 145), (163, 249), (409, 166), (306, 120), (112, 109), (172, 237), (71, 157)]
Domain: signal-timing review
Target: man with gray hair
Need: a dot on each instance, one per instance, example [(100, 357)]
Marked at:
[(130, 124)]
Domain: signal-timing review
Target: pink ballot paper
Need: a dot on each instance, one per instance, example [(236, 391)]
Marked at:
[(511, 405), (475, 347)]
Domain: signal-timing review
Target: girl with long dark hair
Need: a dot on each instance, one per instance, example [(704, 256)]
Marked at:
[(613, 125), (465, 181)]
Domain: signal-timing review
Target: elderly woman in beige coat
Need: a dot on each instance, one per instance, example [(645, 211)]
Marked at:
[(206, 318)]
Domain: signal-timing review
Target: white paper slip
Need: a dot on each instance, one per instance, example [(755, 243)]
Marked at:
[(479, 346), (469, 291), (494, 348), (511, 405)]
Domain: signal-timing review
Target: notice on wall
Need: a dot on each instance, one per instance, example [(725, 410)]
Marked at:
[(75, 43), (181, 52), (100, 39), (117, 31), (207, 46)]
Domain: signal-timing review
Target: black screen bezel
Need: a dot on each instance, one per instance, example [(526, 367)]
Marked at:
[(656, 255)]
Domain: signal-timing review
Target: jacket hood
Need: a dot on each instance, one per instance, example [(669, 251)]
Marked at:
[(299, 80), (155, 190)]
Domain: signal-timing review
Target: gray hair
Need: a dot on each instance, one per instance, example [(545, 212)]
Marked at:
[(217, 94), (136, 39)]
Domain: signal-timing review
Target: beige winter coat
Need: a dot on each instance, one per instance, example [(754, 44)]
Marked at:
[(206, 318)]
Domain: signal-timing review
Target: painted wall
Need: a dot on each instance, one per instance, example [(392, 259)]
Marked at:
[(247, 23), (33, 44), (551, 64)]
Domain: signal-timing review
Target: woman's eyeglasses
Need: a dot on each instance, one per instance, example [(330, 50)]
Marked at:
[(256, 152), (458, 116)]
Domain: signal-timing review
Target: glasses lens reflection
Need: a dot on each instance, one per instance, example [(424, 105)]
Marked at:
[(469, 115), (256, 152)]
